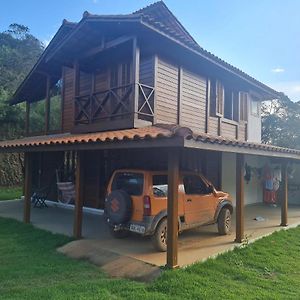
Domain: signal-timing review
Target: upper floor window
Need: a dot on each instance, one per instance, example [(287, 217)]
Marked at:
[(120, 74), (224, 102), (255, 107), (231, 105), (216, 98)]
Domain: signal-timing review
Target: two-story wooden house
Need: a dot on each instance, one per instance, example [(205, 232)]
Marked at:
[(138, 91)]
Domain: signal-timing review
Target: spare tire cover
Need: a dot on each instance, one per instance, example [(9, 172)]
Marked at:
[(118, 207)]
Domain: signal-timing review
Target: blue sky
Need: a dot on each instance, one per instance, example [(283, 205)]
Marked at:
[(261, 37)]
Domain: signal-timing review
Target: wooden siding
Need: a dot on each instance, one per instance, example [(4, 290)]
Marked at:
[(147, 71), (101, 80), (68, 101), (193, 101), (166, 92), (228, 130), (85, 86), (213, 126)]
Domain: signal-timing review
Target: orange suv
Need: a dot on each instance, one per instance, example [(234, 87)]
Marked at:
[(137, 202)]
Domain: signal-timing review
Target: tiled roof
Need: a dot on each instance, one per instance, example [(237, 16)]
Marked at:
[(151, 132), (188, 134)]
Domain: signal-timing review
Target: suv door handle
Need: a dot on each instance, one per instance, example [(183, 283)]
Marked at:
[(189, 200)]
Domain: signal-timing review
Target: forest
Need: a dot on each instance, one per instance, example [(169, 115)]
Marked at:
[(19, 51)]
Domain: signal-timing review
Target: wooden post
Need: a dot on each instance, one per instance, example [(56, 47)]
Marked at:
[(47, 105), (27, 119), (284, 200), (179, 93), (79, 181), (135, 76), (239, 198), (172, 219), (27, 186), (207, 111), (76, 85)]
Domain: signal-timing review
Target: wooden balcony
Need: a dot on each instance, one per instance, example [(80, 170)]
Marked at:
[(115, 108)]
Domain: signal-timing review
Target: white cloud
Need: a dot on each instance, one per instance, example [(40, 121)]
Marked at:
[(278, 70), (95, 1)]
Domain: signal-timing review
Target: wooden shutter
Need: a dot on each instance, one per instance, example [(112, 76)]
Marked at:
[(219, 98)]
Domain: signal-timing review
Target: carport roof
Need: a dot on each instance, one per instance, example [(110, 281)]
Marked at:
[(162, 135)]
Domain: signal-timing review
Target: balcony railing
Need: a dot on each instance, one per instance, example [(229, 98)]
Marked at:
[(115, 103)]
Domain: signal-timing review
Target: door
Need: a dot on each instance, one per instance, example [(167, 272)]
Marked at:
[(199, 201)]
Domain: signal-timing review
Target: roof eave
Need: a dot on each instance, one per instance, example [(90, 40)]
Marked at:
[(15, 100)]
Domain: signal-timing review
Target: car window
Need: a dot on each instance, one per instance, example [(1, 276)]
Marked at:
[(160, 185), (130, 182), (194, 185)]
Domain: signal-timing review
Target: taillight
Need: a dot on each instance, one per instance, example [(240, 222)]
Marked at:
[(147, 206)]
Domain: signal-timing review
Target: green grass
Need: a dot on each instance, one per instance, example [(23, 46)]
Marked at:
[(10, 193), (30, 268)]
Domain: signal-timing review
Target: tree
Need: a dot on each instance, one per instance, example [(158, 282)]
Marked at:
[(280, 122), (19, 50)]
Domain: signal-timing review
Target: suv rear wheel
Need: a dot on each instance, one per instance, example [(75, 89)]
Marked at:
[(224, 221), (159, 239)]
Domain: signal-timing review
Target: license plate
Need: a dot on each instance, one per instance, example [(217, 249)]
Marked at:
[(137, 228)]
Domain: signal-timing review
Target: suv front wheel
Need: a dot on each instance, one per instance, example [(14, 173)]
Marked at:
[(224, 221), (159, 239)]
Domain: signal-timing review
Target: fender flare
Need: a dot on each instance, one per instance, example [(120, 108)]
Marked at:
[(163, 214), (224, 203)]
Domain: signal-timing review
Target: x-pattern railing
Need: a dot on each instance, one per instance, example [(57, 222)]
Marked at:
[(115, 102)]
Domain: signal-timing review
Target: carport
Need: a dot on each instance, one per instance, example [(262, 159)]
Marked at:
[(169, 142)]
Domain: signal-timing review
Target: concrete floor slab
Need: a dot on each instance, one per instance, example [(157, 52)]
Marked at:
[(194, 245)]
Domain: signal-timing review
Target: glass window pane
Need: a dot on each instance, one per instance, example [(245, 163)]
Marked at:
[(131, 183)]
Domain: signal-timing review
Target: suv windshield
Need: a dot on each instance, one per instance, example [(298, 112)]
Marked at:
[(131, 183)]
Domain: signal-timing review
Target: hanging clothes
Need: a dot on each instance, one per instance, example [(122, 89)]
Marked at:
[(269, 193), (276, 178)]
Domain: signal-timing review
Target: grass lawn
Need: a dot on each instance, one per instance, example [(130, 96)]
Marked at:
[(30, 268), (10, 193)]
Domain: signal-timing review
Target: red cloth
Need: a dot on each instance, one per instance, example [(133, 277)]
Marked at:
[(269, 197)]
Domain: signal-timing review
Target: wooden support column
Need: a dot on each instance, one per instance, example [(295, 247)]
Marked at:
[(172, 219), (284, 200), (79, 182), (135, 76), (240, 198), (207, 111), (27, 119), (47, 105), (179, 94), (27, 186), (76, 85)]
